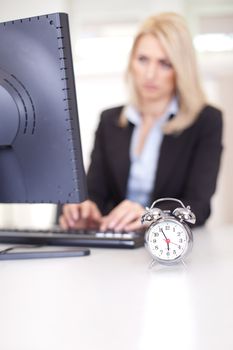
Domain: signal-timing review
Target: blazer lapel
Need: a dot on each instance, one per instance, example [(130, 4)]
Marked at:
[(171, 149), (120, 158)]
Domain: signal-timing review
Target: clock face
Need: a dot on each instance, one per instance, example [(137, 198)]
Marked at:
[(167, 240)]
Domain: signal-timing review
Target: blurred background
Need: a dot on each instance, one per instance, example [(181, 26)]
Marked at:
[(101, 35)]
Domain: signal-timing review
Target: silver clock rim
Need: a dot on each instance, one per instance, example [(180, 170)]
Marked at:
[(188, 245)]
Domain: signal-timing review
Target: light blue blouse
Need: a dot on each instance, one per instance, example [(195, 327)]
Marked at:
[(143, 168)]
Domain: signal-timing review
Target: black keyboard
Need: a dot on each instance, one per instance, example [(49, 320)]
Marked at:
[(79, 238)]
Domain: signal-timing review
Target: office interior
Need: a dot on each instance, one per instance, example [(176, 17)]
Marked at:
[(112, 299), (101, 34)]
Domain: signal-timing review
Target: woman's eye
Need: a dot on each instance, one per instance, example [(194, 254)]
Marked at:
[(165, 64), (142, 59)]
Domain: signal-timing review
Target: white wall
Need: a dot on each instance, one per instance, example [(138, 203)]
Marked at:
[(13, 9)]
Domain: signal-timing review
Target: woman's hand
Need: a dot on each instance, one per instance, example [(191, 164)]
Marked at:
[(125, 216), (83, 215)]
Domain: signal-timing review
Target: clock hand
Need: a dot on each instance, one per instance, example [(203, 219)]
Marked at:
[(164, 234), (174, 243), (167, 240)]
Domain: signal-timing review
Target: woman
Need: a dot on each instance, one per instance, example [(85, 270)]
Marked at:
[(165, 143)]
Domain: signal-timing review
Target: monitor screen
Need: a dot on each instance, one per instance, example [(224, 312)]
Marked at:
[(40, 148)]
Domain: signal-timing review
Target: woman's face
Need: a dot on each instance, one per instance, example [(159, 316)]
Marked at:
[(153, 74)]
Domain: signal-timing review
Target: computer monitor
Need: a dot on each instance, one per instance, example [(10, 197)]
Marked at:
[(40, 148)]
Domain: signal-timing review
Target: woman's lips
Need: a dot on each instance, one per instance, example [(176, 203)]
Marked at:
[(150, 87)]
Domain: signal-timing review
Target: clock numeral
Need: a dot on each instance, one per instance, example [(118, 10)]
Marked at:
[(168, 253), (179, 246), (167, 227), (174, 252), (156, 234), (161, 251), (178, 234), (180, 240), (154, 241)]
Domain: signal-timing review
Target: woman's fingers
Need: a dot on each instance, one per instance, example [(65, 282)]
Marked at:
[(63, 223), (125, 220), (85, 210), (80, 215), (112, 219), (126, 216), (135, 226), (95, 213), (121, 216), (70, 214)]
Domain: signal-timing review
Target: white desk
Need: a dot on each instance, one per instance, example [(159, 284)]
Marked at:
[(112, 300)]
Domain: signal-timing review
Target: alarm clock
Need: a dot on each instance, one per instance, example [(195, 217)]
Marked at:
[(168, 237)]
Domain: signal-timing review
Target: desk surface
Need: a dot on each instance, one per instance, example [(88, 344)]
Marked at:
[(113, 300)]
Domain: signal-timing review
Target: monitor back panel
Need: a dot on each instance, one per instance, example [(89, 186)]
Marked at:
[(40, 147)]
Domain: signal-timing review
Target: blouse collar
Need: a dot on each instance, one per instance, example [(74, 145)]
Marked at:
[(134, 117)]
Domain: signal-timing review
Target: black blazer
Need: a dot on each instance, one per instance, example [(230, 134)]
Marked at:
[(187, 168)]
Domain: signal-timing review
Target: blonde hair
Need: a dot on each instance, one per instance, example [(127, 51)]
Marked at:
[(173, 34)]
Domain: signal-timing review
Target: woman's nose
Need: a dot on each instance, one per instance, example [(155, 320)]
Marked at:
[(151, 71)]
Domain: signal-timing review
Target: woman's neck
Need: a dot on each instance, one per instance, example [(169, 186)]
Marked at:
[(153, 109)]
